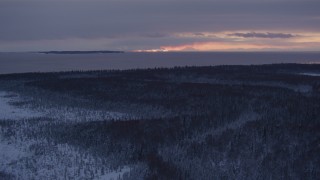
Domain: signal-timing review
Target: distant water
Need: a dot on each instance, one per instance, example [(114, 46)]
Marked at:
[(36, 62)]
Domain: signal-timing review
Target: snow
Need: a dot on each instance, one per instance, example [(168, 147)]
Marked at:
[(81, 114), (59, 161), (244, 118), (8, 111), (9, 153), (303, 88), (25, 158), (115, 175), (310, 74)]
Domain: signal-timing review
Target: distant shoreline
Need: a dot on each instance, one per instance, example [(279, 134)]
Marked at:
[(79, 52)]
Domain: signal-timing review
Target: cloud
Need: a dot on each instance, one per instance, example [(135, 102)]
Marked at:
[(155, 35), (263, 35), (142, 24), (234, 46), (213, 46), (198, 34), (101, 19)]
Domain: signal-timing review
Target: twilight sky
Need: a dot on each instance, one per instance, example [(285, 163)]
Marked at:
[(160, 25)]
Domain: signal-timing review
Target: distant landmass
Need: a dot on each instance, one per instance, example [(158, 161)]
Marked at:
[(80, 52)]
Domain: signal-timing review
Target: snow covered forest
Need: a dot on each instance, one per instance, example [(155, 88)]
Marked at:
[(219, 122)]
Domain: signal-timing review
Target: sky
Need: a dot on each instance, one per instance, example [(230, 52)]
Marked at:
[(160, 25)]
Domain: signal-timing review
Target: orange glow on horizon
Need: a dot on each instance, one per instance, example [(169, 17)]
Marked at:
[(216, 46), (226, 41)]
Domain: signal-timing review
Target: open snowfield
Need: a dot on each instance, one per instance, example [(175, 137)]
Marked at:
[(23, 158), (310, 74), (8, 111), (13, 112)]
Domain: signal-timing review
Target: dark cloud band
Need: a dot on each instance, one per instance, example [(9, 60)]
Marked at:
[(263, 35)]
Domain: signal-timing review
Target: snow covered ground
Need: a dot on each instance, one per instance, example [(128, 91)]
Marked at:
[(44, 160), (23, 157), (81, 114), (115, 175), (310, 74), (8, 111), (303, 88), (9, 154)]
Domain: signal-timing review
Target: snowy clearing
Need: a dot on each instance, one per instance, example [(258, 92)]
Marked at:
[(27, 160), (310, 74), (23, 158), (115, 175), (10, 153), (8, 111), (81, 114)]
